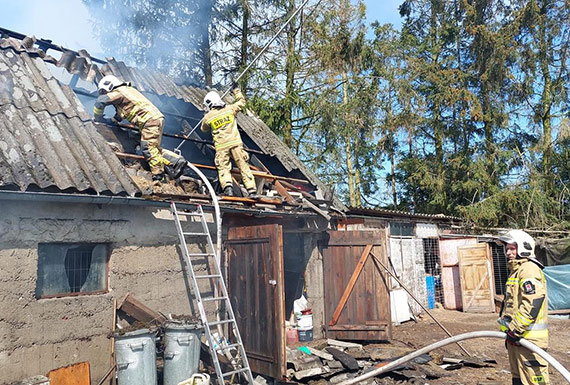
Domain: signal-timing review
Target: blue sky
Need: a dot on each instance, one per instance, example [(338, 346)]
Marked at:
[(66, 22)]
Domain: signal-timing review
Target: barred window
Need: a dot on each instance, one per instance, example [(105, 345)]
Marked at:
[(71, 269)]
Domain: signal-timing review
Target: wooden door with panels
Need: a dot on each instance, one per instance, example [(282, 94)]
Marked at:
[(357, 297), (256, 290), (477, 279)]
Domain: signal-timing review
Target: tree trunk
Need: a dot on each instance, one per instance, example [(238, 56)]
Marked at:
[(244, 44), (352, 193), (546, 102), (290, 68)]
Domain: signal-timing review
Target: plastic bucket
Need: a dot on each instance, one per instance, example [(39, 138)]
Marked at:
[(305, 321), (181, 351), (305, 334), (136, 357)]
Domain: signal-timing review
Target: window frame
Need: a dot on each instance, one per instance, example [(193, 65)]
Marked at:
[(107, 259)]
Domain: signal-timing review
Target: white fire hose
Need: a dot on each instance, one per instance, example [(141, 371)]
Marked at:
[(480, 334)]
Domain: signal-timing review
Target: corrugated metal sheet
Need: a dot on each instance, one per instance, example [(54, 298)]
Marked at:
[(398, 213), (47, 140)]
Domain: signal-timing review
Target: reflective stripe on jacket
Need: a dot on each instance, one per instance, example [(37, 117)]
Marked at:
[(222, 123), (525, 307), (130, 104)]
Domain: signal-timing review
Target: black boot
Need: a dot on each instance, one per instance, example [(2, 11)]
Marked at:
[(228, 191), (177, 169), (252, 193)]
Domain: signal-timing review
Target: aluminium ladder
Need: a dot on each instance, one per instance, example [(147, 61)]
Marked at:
[(240, 363)]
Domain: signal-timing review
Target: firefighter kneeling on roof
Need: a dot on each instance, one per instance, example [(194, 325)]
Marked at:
[(221, 119), (524, 310), (130, 104)]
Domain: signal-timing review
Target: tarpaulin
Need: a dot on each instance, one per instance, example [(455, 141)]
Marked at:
[(558, 285)]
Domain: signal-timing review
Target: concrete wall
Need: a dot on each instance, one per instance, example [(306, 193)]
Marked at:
[(314, 281), (38, 335)]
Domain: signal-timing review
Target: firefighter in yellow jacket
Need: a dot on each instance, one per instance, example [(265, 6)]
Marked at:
[(221, 120), (130, 104), (524, 310)]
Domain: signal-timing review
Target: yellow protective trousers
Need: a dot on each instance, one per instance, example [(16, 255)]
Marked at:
[(156, 157), (224, 166), (528, 367)]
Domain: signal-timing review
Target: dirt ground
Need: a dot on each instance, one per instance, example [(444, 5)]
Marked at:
[(426, 331)]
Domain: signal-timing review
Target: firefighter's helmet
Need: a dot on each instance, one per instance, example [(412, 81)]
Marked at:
[(525, 243), (108, 84), (213, 99)]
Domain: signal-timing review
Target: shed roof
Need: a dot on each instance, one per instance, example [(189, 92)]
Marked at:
[(47, 140), (386, 213)]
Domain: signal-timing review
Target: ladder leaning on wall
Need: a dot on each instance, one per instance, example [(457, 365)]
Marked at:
[(220, 295)]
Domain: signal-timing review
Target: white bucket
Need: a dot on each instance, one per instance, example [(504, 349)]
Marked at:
[(197, 379), (305, 321)]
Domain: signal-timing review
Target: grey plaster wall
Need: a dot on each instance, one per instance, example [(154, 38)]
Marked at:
[(38, 335)]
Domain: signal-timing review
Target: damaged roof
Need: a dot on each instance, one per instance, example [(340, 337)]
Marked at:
[(255, 128), (47, 140)]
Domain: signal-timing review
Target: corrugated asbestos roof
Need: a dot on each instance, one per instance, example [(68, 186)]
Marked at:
[(399, 214), (255, 128), (47, 140)]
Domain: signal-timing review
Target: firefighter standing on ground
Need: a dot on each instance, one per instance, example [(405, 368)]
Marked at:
[(221, 120), (524, 310), (133, 106)]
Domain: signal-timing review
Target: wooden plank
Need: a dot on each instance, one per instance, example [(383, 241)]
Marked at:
[(350, 285), (76, 374), (320, 353), (283, 192), (140, 311), (233, 170), (343, 344), (317, 209), (357, 327), (476, 291), (354, 238)]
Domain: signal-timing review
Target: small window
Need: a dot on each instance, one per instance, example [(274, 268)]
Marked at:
[(71, 269), (401, 229)]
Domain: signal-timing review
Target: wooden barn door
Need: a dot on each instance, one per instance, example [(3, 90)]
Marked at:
[(357, 300), (476, 275), (256, 290)]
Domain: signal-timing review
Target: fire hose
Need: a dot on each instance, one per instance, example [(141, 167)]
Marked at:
[(465, 336)]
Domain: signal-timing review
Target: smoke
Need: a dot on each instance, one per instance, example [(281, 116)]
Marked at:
[(171, 36)]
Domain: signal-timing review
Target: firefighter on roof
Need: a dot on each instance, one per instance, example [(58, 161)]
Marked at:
[(130, 104), (524, 310), (221, 120)]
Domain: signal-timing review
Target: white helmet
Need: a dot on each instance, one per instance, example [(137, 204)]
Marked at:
[(109, 83), (212, 99), (525, 243)]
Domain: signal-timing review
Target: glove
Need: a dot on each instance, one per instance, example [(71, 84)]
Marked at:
[(512, 339)]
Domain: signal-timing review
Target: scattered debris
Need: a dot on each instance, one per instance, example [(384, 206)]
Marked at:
[(140, 312), (35, 380), (332, 362), (343, 344), (347, 360)]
